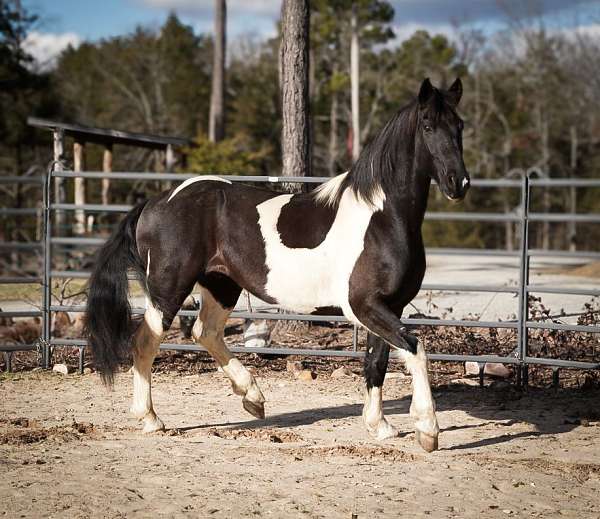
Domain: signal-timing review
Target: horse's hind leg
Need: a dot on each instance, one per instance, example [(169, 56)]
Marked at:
[(375, 367), (145, 347), (208, 332), (168, 291)]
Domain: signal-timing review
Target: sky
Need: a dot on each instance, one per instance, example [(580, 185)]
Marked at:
[(64, 22)]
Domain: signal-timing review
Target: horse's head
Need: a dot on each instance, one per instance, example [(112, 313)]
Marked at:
[(441, 131)]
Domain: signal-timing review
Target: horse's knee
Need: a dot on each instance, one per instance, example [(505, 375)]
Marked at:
[(206, 334), (376, 361)]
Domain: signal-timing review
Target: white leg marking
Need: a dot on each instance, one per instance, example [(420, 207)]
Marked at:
[(422, 407), (145, 346), (377, 425), (208, 331), (146, 343), (190, 181), (239, 375), (303, 279)]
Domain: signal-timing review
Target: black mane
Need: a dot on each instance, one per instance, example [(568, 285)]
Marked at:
[(378, 167)]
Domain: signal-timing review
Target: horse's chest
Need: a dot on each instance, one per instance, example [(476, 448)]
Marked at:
[(304, 279), (409, 281)]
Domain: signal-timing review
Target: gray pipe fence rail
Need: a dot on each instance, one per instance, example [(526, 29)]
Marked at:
[(522, 324), (18, 278)]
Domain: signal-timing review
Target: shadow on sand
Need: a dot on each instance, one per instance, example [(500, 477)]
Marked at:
[(549, 412)]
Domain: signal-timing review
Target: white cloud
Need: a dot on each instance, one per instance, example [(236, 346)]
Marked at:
[(46, 47), (405, 31), (591, 31)]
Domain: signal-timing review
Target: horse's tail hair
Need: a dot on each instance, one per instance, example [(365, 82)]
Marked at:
[(108, 315)]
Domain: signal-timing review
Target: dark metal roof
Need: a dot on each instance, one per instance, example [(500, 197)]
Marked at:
[(109, 136)]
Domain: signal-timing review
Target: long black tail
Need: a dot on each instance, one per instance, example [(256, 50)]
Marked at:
[(108, 314)]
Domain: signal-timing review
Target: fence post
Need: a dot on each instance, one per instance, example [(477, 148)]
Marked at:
[(523, 310), (55, 165)]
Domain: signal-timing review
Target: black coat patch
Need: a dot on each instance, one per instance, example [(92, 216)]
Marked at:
[(304, 223)]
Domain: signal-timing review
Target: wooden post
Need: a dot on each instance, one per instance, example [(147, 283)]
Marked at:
[(79, 194), (107, 161), (59, 184)]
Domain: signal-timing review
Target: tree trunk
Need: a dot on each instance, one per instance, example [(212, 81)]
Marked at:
[(572, 226), (294, 83), (169, 166), (354, 83), (295, 138), (546, 192), (508, 226), (216, 124), (333, 134), (79, 165)]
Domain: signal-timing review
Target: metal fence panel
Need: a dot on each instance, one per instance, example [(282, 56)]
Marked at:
[(522, 324)]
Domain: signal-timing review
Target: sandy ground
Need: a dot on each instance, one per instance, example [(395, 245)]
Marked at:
[(68, 448)]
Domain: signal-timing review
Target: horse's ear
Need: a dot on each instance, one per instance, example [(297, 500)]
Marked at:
[(426, 92), (454, 93)]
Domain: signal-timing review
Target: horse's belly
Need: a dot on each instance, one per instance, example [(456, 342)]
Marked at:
[(303, 283)]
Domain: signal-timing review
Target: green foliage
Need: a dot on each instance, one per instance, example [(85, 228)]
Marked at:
[(148, 81), (14, 25), (227, 157)]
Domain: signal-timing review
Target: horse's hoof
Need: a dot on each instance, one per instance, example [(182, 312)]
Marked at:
[(152, 425), (255, 409), (428, 442)]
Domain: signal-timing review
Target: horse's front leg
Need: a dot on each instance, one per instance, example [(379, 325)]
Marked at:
[(375, 367), (378, 318)]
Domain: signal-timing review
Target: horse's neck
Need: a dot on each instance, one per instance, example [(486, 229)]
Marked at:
[(408, 206), (409, 202)]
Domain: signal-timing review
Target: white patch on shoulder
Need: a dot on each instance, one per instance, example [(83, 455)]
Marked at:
[(304, 279), (199, 178)]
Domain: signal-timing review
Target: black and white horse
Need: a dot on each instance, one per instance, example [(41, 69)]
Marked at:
[(353, 245)]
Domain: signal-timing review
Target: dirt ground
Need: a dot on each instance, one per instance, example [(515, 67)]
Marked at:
[(69, 448)]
